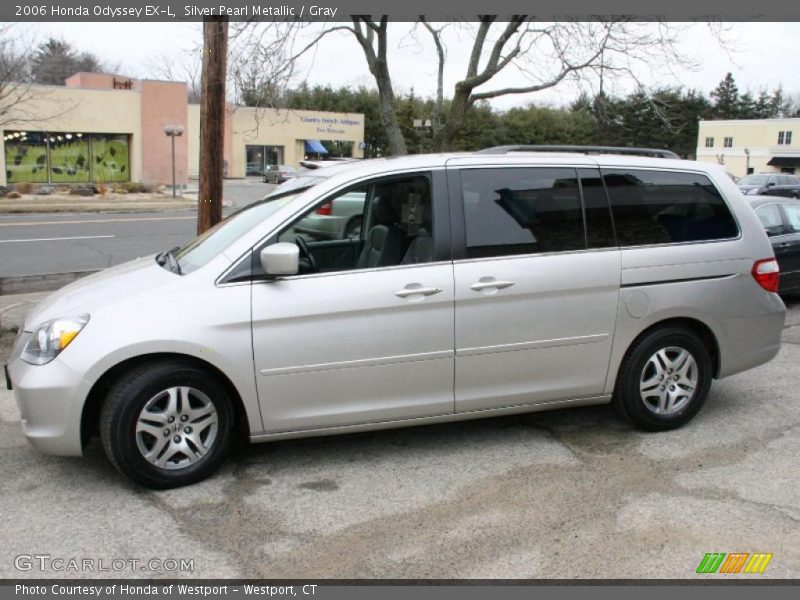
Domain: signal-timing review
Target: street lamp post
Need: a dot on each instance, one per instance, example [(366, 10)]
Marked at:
[(423, 127), (172, 132)]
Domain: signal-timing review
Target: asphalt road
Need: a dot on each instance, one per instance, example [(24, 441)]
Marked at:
[(59, 243), (572, 493)]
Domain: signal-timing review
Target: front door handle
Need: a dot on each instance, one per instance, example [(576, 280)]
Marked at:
[(415, 289), (487, 283)]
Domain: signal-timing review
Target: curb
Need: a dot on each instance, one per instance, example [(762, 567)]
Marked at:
[(94, 208), (25, 284)]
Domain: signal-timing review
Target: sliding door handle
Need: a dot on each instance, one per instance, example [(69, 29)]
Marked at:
[(488, 283)]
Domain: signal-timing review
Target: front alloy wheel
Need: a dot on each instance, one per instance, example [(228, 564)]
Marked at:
[(177, 427), (167, 424)]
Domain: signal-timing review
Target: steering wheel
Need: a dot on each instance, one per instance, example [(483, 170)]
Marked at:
[(305, 253)]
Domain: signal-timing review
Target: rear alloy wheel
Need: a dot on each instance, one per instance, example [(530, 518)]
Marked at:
[(669, 380), (664, 379), (167, 424)]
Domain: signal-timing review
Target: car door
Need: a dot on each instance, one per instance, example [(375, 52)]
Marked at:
[(369, 342), (535, 311), (794, 186), (773, 220), (781, 187), (787, 248)]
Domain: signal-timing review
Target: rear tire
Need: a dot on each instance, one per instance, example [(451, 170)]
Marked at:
[(664, 379), (167, 424)]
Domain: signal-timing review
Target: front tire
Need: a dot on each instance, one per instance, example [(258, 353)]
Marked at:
[(167, 424), (664, 379)]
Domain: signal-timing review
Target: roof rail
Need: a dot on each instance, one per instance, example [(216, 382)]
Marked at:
[(651, 152)]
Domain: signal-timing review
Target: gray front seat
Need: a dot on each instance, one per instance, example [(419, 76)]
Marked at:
[(383, 244)]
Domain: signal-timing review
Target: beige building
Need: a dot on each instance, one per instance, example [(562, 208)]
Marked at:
[(256, 137), (106, 128), (751, 146)]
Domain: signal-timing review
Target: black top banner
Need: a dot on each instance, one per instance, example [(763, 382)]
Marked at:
[(409, 10)]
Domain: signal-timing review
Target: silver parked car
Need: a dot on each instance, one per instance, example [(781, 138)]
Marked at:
[(279, 173), (339, 218), (503, 281)]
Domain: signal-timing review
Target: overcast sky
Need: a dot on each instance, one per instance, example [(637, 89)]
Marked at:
[(758, 54)]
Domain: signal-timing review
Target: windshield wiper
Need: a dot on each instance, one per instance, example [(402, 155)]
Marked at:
[(169, 256)]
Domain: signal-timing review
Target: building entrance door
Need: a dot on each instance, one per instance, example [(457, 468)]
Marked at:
[(260, 157)]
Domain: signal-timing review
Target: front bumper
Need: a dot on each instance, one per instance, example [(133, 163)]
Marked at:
[(50, 399)]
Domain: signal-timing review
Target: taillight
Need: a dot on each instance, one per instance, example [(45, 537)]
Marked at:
[(766, 272), (325, 209)]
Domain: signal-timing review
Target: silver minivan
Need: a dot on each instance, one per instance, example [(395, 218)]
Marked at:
[(498, 282)]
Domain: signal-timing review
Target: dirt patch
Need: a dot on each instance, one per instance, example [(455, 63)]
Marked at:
[(7, 337)]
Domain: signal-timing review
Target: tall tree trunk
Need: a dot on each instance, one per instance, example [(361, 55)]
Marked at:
[(212, 122), (394, 135), (367, 36), (443, 136)]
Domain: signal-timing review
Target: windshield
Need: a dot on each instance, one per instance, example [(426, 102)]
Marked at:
[(206, 246), (753, 180), (302, 181)]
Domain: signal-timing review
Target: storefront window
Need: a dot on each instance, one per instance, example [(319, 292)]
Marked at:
[(110, 158), (66, 157), (260, 157), (69, 158), (26, 157)]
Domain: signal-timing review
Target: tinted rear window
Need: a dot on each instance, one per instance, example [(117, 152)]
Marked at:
[(521, 211), (661, 207)]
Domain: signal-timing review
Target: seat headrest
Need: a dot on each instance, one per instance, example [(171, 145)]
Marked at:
[(416, 212), (383, 212)]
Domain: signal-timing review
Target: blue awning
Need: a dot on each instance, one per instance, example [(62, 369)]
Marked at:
[(316, 147)]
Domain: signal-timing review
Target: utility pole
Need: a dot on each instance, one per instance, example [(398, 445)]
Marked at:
[(212, 121)]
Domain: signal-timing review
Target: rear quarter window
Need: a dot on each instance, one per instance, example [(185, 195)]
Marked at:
[(664, 207)]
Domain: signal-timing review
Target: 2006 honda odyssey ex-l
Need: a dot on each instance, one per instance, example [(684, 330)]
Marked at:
[(504, 281)]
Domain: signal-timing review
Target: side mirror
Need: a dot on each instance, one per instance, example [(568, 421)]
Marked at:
[(771, 184), (281, 259)]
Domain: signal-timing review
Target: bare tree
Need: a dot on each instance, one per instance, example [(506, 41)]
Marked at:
[(264, 59), (544, 55), (537, 55), (180, 66), (14, 89), (792, 106), (372, 37)]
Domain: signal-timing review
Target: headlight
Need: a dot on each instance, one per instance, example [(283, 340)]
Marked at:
[(50, 338), (752, 191)]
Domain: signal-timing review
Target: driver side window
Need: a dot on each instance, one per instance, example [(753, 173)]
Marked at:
[(385, 223), (338, 218)]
